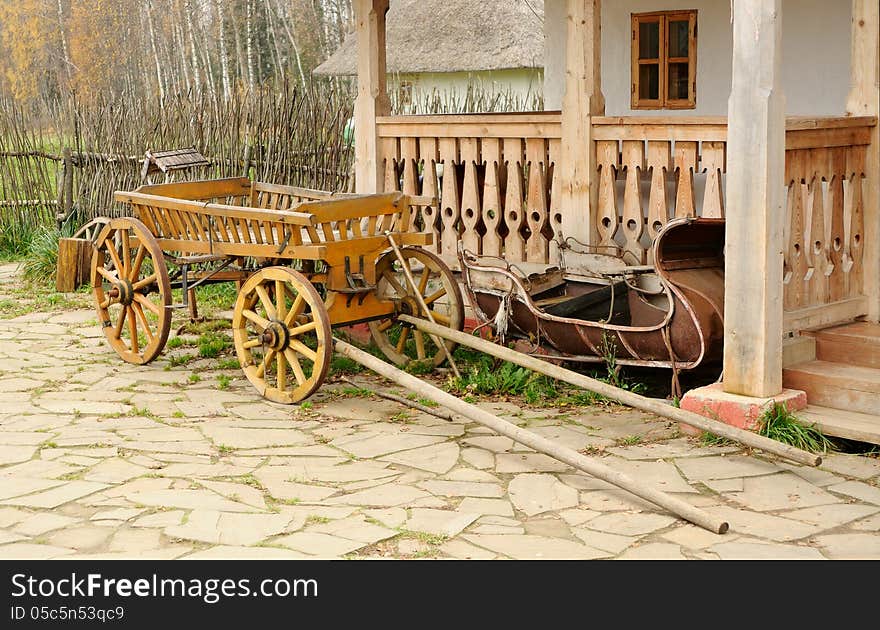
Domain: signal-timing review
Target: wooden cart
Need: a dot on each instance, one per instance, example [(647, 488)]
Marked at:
[(304, 260)]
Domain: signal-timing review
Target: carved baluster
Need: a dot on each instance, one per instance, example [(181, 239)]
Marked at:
[(659, 161), (794, 258), (409, 158), (492, 207), (430, 159), (514, 202), (633, 222), (685, 164), (556, 225), (450, 207), (537, 247), (391, 153), (854, 209), (837, 279), (608, 161), (470, 196), (713, 161)]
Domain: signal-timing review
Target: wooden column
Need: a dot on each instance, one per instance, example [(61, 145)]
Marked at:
[(581, 101), (372, 97), (864, 100), (755, 195)]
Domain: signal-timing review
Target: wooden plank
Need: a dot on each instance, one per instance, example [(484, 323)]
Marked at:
[(514, 243), (659, 161), (755, 197), (430, 213), (836, 385), (470, 196), (201, 189), (851, 425), (450, 202), (714, 162), (825, 314), (662, 132), (537, 216), (455, 129), (633, 161), (608, 159), (283, 216), (493, 209), (827, 138), (684, 162)]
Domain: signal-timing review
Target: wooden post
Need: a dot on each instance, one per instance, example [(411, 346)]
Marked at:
[(864, 100), (581, 101), (755, 194), (372, 97)]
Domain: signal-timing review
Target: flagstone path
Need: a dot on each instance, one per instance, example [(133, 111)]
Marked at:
[(101, 459)]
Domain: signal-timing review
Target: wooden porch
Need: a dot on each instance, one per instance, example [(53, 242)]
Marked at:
[(800, 194)]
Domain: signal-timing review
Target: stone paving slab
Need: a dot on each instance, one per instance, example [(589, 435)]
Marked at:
[(102, 459)]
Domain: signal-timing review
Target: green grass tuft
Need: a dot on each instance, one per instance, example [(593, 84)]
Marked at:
[(778, 423)]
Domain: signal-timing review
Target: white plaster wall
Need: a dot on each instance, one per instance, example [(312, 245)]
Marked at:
[(816, 54)]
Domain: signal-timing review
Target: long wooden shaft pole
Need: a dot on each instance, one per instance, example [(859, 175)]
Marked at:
[(620, 395), (421, 300), (535, 441)]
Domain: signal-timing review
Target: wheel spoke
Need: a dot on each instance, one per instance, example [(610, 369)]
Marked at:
[(299, 303), (394, 283), (140, 284), (142, 316), (439, 293), (388, 323), (420, 343), (280, 300), (266, 301), (423, 281), (303, 349), (132, 329), (126, 252), (261, 370), (404, 333), (259, 321), (138, 261), (298, 373), (109, 277), (440, 318), (282, 372), (117, 332), (253, 343), (114, 256), (106, 303), (299, 330), (145, 301)]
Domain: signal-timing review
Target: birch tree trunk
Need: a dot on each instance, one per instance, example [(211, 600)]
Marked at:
[(249, 21), (224, 56), (152, 32)]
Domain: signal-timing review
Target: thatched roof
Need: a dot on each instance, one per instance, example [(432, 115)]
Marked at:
[(453, 36)]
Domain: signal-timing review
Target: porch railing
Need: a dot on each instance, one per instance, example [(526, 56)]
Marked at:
[(493, 174), (494, 177)]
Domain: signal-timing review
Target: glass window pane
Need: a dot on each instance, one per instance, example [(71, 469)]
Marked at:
[(679, 31), (678, 81), (649, 81), (649, 40)]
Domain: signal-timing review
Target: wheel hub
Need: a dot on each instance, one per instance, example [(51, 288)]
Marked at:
[(124, 292), (276, 336), (409, 306)]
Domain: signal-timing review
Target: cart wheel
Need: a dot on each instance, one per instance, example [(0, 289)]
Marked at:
[(402, 343), (282, 334), (131, 289), (92, 229)]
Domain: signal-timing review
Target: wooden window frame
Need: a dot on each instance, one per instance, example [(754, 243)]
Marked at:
[(664, 102)]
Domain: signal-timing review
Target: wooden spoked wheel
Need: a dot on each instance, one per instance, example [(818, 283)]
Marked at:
[(400, 342), (131, 289), (91, 230), (282, 334)]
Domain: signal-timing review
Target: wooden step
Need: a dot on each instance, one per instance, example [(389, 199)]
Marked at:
[(841, 423), (854, 344), (836, 385)]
